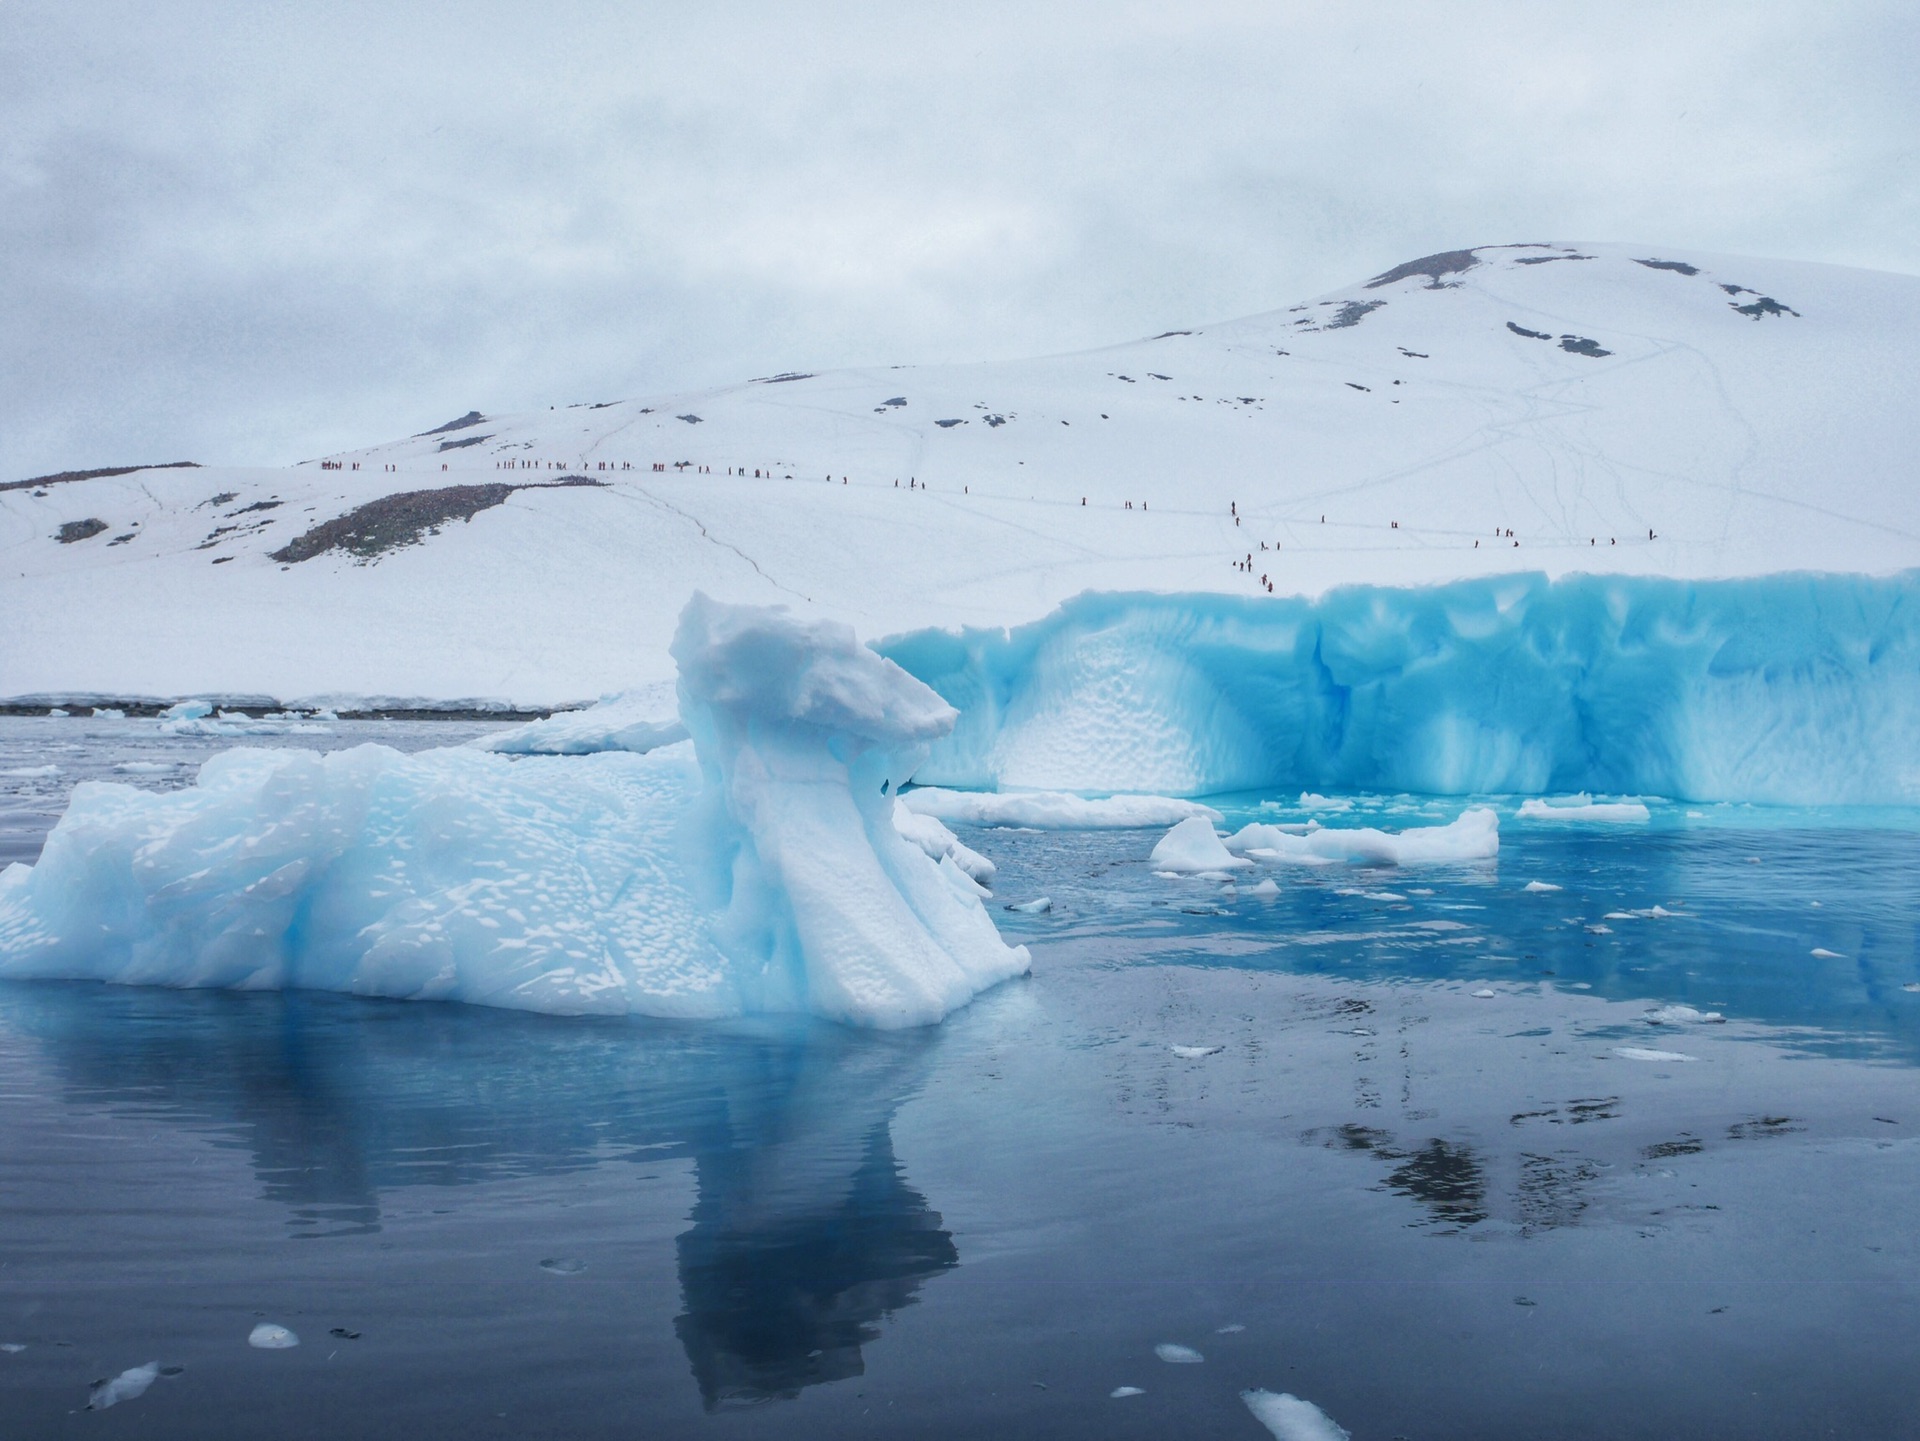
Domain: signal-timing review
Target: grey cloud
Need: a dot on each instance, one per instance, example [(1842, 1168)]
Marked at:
[(252, 233)]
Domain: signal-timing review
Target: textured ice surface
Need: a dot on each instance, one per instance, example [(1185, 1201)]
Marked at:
[(1475, 836), (637, 721), (759, 869), (1794, 689), (1052, 810), (1291, 1419), (1584, 808)]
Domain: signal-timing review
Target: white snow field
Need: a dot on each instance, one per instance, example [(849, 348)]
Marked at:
[(757, 869), (1620, 409)]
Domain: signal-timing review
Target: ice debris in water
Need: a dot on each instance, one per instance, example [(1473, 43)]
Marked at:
[(1584, 808), (1178, 1355), (1540, 886), (1233, 1329), (1191, 847), (1911, 986), (759, 870), (12, 1348), (1483, 994), (563, 1265), (145, 768), (129, 1385), (1641, 1053), (32, 773), (269, 1337), (1195, 1053), (1826, 955), (1680, 1016), (1473, 836), (1039, 905), (1290, 1418), (1265, 889), (1119, 1391), (1051, 810)]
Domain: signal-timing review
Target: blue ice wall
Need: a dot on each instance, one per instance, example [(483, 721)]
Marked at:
[(1793, 689)]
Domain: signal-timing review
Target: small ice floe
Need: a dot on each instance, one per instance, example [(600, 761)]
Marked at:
[(269, 1337), (1696, 815), (1051, 810), (1599, 930), (1682, 1016), (1641, 1053), (1265, 890), (144, 768), (563, 1265), (1911, 986), (1178, 1355), (107, 712), (12, 1348), (1195, 1053), (1473, 836), (1483, 994), (1826, 955), (1311, 802), (129, 1385), (1037, 906), (1119, 1391), (1584, 985), (1231, 1330), (1290, 1418), (32, 773), (1585, 808), (1539, 886), (1192, 847), (1369, 895)]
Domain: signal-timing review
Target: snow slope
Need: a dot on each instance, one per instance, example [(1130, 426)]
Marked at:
[(1704, 417)]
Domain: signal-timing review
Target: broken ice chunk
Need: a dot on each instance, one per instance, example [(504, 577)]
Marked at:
[(129, 1385), (1118, 1391), (1194, 1053), (1290, 1418), (1037, 906), (1641, 1053), (269, 1337), (563, 1265), (1826, 955), (1540, 886), (1178, 1355)]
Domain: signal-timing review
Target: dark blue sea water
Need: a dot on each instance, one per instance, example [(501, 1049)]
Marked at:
[(1442, 1177)]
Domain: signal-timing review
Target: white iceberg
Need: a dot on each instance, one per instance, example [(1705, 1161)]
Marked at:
[(1192, 848), (1473, 836), (1051, 810), (637, 721), (759, 869), (1585, 808)]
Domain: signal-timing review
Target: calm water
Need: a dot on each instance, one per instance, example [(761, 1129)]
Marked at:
[(1435, 1213)]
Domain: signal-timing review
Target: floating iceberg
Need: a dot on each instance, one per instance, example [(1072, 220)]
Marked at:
[(1192, 848), (758, 869), (1585, 808), (1474, 836), (1794, 689), (1052, 810), (637, 721)]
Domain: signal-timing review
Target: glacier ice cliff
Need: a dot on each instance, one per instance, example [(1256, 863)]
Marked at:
[(757, 869), (1789, 689)]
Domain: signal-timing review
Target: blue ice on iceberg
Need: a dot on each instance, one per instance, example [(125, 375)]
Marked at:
[(757, 869), (1792, 689)]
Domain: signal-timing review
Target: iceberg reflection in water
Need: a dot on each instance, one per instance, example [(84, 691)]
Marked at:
[(804, 1235)]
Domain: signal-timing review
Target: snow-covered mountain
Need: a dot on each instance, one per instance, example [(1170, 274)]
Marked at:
[(1545, 407)]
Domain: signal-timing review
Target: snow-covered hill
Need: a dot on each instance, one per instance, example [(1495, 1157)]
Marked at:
[(1551, 408)]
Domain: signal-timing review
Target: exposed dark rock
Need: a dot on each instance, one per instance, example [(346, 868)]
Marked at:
[(472, 417), (1447, 262), (1169, 334), (784, 375), (61, 477), (690, 418), (1547, 259), (1580, 345), (1765, 305), (1678, 266), (259, 505), (458, 444), (1352, 313), (405, 518), (948, 424), (80, 530), (1530, 334)]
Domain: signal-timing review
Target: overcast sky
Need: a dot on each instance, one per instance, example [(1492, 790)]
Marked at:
[(254, 232)]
